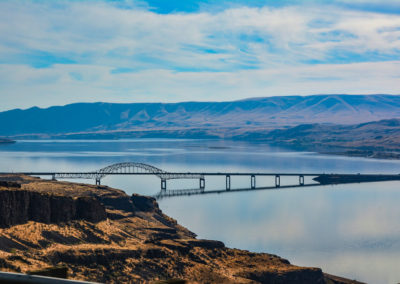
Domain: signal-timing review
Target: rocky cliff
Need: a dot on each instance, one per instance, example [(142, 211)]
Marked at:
[(101, 234), (21, 206)]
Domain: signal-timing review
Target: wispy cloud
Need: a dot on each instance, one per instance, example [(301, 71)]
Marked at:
[(127, 51)]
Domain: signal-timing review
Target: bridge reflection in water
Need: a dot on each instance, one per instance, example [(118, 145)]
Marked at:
[(198, 191), (145, 169)]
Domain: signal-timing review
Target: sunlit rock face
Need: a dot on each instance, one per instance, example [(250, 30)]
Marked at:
[(21, 206), (102, 234)]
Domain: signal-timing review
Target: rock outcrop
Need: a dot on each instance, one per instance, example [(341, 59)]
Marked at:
[(21, 206), (101, 234)]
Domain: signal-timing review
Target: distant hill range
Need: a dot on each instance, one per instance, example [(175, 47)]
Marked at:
[(377, 139), (249, 114)]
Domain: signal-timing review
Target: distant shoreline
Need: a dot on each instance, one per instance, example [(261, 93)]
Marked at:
[(337, 150), (348, 152), (7, 141)]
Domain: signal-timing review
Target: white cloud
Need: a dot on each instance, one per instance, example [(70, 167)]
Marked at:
[(256, 51), (381, 2), (55, 85)]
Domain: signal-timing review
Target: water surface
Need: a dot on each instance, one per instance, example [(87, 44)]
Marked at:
[(348, 230)]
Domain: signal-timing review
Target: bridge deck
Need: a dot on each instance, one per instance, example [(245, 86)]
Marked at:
[(202, 174), (318, 178), (133, 168)]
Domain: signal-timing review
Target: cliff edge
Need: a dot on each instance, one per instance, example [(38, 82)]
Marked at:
[(101, 234)]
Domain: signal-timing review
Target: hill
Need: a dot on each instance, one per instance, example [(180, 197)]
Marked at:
[(377, 139), (101, 234), (266, 113)]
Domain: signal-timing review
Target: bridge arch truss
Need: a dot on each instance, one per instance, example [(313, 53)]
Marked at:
[(128, 168)]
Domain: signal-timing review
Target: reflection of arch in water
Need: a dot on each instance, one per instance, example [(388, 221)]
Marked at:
[(199, 191)]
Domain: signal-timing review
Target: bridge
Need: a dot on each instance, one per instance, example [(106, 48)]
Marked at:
[(120, 169), (145, 169)]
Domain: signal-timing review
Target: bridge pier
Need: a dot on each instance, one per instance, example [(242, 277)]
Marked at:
[(228, 182), (253, 182), (98, 181), (53, 177), (277, 181), (301, 180), (202, 183), (163, 184)]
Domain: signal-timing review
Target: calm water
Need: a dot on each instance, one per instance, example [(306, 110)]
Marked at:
[(348, 230)]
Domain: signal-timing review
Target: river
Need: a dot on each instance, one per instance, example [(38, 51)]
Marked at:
[(349, 230)]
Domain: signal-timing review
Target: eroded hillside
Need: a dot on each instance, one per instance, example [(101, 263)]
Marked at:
[(101, 234)]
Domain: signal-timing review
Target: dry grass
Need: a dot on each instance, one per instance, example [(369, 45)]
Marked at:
[(135, 248)]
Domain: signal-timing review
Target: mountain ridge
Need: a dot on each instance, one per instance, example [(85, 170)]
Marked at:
[(265, 112)]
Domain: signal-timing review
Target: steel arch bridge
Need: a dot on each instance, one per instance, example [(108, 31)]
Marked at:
[(130, 168), (127, 169), (141, 168), (145, 169)]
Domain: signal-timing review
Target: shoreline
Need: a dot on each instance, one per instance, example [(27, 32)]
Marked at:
[(7, 141), (115, 231), (336, 150)]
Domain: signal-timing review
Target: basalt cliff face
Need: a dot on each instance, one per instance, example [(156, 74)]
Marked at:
[(101, 234)]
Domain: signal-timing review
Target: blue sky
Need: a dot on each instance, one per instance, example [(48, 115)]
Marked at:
[(59, 52)]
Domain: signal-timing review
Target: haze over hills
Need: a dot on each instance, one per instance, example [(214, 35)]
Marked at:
[(267, 113), (377, 139)]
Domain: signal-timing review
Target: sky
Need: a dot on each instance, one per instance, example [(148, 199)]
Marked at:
[(61, 52)]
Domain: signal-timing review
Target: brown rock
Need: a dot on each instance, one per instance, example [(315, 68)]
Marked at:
[(144, 203), (21, 206), (47, 223)]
